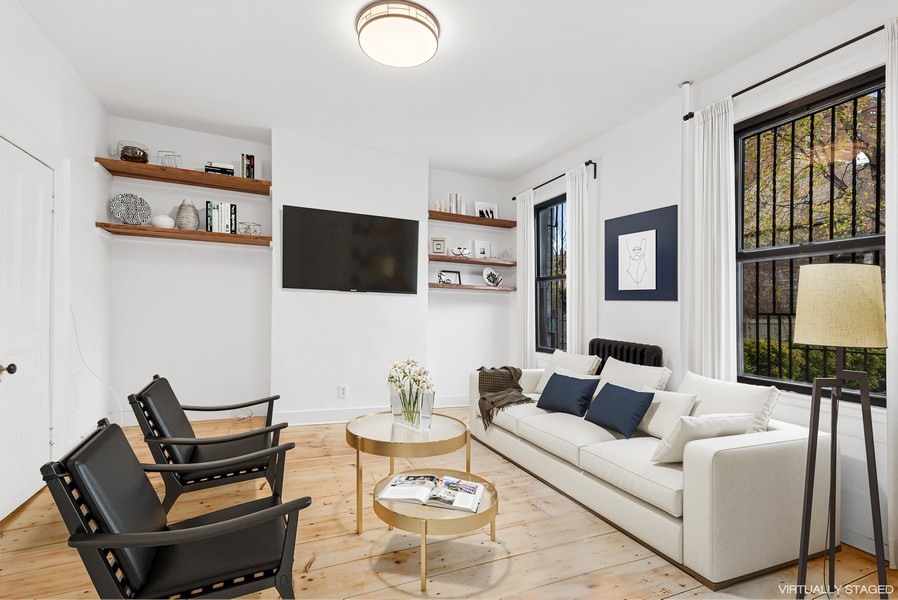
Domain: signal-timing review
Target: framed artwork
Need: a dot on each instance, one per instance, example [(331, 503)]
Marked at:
[(482, 249), (486, 210), (450, 277), (641, 256), (438, 245)]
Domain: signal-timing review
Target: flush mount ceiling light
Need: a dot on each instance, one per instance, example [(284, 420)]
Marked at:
[(398, 34)]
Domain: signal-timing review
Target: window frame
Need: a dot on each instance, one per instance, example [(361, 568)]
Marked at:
[(537, 209), (793, 111)]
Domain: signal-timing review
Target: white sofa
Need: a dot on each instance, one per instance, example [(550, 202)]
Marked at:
[(730, 510)]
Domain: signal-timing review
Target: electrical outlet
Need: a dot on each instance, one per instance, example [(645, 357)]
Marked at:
[(343, 391)]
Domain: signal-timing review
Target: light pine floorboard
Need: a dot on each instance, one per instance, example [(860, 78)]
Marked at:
[(547, 546)]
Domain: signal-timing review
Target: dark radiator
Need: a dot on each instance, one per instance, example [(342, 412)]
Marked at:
[(639, 354)]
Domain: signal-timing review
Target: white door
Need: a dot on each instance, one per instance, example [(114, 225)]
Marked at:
[(26, 196)]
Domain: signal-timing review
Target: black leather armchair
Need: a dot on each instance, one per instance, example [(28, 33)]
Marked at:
[(120, 529), (232, 458)]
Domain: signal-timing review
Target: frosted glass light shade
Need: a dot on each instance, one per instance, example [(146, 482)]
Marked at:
[(398, 34), (840, 305)]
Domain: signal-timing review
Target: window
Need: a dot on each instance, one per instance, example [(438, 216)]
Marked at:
[(551, 275), (810, 189)]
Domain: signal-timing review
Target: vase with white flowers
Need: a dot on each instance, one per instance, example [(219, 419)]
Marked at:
[(411, 394)]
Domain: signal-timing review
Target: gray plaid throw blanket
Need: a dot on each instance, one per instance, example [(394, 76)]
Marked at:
[(499, 389)]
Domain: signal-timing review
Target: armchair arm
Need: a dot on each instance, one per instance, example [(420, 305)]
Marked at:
[(214, 440), (268, 417), (742, 501), (216, 464), (181, 536)]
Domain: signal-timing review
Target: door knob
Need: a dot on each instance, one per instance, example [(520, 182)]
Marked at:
[(11, 368)]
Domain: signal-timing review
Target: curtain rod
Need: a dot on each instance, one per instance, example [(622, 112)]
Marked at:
[(586, 164), (689, 115)]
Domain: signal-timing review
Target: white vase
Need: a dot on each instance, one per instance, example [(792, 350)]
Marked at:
[(412, 408), (187, 217)]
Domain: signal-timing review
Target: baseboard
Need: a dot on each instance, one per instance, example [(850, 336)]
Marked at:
[(342, 415)]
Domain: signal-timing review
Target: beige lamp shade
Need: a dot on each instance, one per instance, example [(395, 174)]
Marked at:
[(840, 305)]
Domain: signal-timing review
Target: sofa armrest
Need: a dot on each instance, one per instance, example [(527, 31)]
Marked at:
[(742, 501), (528, 381)]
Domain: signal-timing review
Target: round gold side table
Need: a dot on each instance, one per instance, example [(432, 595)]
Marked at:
[(422, 519), (377, 434)]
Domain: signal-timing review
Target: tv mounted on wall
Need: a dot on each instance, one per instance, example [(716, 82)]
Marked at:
[(331, 250)]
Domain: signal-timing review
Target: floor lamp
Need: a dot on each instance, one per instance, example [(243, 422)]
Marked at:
[(839, 305)]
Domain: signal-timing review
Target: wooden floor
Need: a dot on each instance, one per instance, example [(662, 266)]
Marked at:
[(548, 547)]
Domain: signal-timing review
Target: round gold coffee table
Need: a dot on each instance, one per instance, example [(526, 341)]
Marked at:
[(422, 519), (377, 434)]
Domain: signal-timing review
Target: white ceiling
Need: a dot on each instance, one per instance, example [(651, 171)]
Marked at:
[(515, 83)]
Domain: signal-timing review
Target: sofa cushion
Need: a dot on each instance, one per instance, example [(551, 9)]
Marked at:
[(562, 434), (618, 408), (713, 396), (665, 411), (578, 363), (633, 376), (567, 394), (626, 465), (507, 418), (689, 429)]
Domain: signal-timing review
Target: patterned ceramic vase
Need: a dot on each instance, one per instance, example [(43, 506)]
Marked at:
[(187, 217)]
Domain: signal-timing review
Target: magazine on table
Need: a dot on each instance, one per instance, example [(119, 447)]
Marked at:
[(442, 492)]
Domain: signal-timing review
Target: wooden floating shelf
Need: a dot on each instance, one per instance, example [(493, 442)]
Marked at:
[(185, 234), (478, 288), (215, 181), (436, 215), (483, 262)]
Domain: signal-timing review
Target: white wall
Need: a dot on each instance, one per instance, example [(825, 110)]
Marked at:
[(42, 94), (196, 313), (638, 170), (323, 339), (468, 329)]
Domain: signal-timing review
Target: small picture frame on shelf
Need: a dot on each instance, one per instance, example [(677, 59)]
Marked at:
[(486, 210), (482, 250), (438, 245), (449, 277)]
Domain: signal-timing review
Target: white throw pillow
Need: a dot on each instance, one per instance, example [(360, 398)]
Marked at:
[(665, 411), (689, 429), (713, 396), (633, 376), (585, 364)]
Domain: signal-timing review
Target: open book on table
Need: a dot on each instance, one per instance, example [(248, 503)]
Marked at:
[(442, 492)]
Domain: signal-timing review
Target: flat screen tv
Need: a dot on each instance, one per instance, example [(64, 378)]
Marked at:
[(331, 250)]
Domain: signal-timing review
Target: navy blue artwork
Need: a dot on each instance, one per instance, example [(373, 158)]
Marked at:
[(641, 256)]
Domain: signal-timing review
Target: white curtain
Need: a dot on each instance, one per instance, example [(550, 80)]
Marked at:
[(891, 201), (712, 335), (578, 310), (526, 274)]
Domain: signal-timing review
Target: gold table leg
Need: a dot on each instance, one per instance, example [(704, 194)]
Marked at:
[(424, 555), (392, 470), (358, 491), (468, 452), (493, 530)]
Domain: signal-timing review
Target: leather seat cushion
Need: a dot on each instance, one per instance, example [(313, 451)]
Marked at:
[(563, 434), (184, 567), (225, 450), (626, 464)]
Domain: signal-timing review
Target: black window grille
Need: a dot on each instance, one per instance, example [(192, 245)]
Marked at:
[(810, 189), (551, 275)]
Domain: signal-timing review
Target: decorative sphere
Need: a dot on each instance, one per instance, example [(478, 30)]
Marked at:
[(163, 221)]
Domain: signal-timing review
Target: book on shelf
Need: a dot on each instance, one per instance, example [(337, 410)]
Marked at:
[(440, 492), (247, 166), (221, 217)]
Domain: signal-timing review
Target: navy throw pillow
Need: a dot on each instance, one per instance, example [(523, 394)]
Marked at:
[(619, 408), (567, 394)]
